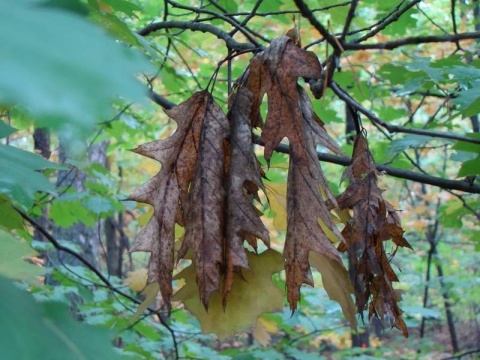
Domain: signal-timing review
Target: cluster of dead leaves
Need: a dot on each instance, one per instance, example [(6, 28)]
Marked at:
[(373, 222), (210, 179)]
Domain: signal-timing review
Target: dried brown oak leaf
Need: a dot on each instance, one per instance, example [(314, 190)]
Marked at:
[(275, 71), (374, 221), (309, 224), (189, 190), (243, 221)]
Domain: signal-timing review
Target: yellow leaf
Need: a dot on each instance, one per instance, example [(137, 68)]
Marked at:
[(151, 291), (145, 218), (252, 295), (179, 232), (329, 233), (268, 324), (336, 283), (277, 196), (136, 279), (261, 333)]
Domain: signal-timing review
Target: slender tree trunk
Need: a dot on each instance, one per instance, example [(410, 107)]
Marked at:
[(86, 237), (41, 144), (425, 292), (114, 255), (448, 310)]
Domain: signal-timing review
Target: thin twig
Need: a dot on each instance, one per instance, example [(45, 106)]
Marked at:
[(414, 40), (348, 20), (195, 26), (228, 20), (343, 95), (97, 272), (390, 18), (346, 161), (307, 13)]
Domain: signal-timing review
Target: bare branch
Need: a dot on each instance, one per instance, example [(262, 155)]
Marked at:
[(284, 12), (195, 26), (234, 23), (346, 161), (395, 172), (348, 20), (307, 13), (393, 16), (415, 40), (342, 94)]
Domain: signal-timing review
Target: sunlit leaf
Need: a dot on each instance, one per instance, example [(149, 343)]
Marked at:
[(252, 294)]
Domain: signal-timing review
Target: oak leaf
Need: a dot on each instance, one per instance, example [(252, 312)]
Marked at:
[(253, 293), (306, 205), (374, 221), (275, 71), (188, 189), (243, 221)]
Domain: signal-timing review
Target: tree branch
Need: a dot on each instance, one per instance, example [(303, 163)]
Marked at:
[(195, 26), (346, 161), (395, 172), (342, 94), (348, 20), (307, 13), (234, 23), (393, 16), (390, 45), (91, 267)]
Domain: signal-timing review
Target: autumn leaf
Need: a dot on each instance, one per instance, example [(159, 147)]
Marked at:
[(306, 205), (253, 293), (205, 206), (187, 188), (337, 284), (263, 329), (374, 221), (150, 292), (137, 279), (277, 195), (244, 180), (275, 71)]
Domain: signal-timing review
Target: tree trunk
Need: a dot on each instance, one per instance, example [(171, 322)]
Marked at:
[(41, 144), (87, 238)]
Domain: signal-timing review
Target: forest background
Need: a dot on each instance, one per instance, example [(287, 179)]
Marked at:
[(84, 82)]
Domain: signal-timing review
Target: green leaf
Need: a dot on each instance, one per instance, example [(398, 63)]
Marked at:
[(468, 100), (10, 219), (468, 146), (405, 23), (127, 7), (67, 213), (19, 179), (42, 331), (98, 205), (12, 263), (407, 141), (72, 75), (6, 130), (470, 167)]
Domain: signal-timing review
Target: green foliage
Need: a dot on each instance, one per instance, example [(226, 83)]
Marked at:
[(12, 259), (72, 75), (46, 331), (20, 180)]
